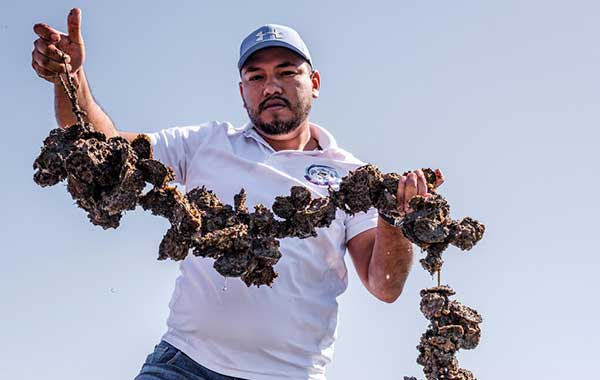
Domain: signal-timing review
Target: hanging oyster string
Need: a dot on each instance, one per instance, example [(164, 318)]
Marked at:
[(71, 89), (453, 326), (107, 176)]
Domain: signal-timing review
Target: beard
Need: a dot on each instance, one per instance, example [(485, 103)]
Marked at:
[(279, 126)]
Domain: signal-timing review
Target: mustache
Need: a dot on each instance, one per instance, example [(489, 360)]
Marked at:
[(261, 106)]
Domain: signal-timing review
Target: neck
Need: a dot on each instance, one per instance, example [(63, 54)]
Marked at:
[(298, 139)]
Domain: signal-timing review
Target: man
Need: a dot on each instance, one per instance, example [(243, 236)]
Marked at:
[(285, 331)]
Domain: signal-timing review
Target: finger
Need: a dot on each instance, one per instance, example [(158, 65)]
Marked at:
[(439, 177), (74, 26), (50, 51), (43, 73), (49, 64), (400, 193), (421, 182), (410, 190), (46, 32)]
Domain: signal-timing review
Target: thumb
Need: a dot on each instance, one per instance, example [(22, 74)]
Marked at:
[(74, 26)]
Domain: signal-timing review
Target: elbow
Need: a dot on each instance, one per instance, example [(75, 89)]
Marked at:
[(387, 291), (388, 297)]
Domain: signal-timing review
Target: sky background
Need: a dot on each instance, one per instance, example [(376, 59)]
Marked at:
[(502, 96)]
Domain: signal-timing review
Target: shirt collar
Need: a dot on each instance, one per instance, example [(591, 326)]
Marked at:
[(323, 136)]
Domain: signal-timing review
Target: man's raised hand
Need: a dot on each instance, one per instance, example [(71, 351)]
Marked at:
[(46, 58), (414, 183)]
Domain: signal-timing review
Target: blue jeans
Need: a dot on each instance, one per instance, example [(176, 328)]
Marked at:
[(168, 363)]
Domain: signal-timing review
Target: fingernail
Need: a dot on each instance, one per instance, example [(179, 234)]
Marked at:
[(53, 37)]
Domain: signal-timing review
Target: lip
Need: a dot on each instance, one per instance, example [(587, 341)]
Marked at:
[(275, 103), (275, 106)]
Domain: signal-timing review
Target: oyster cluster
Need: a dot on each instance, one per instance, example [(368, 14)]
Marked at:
[(428, 225), (108, 176), (105, 177), (453, 326)]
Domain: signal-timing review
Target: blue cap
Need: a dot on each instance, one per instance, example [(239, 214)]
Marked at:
[(272, 35)]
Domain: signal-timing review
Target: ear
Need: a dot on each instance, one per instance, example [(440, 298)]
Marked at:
[(315, 78), (242, 94)]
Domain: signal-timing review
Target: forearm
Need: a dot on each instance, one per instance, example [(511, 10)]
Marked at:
[(95, 115), (390, 262)]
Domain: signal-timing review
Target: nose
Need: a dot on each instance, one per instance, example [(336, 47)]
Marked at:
[(272, 87)]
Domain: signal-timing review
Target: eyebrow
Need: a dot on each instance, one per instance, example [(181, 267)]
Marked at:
[(283, 64)]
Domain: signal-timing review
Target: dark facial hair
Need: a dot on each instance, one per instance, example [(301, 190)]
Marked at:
[(300, 112)]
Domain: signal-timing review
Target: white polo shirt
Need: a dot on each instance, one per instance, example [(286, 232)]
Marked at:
[(286, 331)]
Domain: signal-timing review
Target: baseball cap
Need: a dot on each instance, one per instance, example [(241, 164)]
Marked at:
[(272, 35)]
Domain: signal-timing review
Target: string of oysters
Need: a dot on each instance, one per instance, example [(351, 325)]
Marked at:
[(107, 177)]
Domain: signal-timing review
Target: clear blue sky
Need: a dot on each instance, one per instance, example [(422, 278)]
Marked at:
[(502, 96)]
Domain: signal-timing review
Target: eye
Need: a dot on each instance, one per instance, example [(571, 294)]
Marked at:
[(287, 73), (254, 78)]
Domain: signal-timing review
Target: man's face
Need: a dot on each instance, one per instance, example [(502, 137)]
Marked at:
[(277, 87)]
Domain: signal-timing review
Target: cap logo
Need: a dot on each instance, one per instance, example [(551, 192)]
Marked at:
[(260, 36)]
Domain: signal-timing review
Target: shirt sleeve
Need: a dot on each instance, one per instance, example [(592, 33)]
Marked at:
[(360, 222), (176, 146)]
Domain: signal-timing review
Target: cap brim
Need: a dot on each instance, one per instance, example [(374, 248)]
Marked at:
[(266, 44)]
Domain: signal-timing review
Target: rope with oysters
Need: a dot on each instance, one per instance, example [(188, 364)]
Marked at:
[(107, 177)]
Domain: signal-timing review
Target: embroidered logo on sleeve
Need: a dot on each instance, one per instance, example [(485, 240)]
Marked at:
[(322, 175)]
